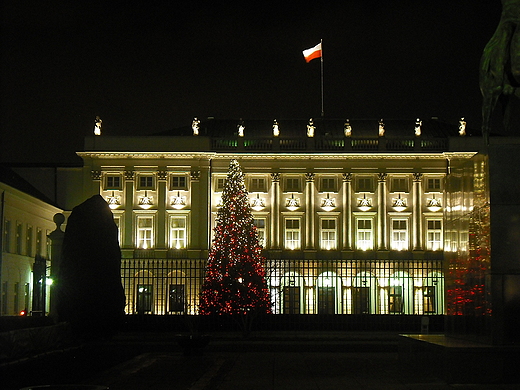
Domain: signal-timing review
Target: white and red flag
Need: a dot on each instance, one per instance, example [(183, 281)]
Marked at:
[(312, 53)]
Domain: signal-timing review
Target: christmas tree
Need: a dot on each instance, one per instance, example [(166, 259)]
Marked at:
[(235, 278)]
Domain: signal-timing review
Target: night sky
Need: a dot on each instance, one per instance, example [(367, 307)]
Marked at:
[(149, 67)]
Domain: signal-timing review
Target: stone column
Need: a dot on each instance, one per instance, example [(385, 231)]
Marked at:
[(56, 245), (275, 214), (416, 214), (381, 212), (162, 240), (347, 211), (128, 238), (309, 210)]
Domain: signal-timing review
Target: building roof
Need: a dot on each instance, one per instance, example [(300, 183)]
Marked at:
[(12, 179)]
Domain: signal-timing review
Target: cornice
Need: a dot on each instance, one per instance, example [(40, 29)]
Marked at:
[(275, 156)]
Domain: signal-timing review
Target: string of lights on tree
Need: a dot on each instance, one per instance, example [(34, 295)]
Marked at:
[(235, 278)]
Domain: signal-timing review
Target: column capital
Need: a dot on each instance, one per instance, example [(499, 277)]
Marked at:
[(275, 177), (382, 176), (347, 177), (309, 176), (195, 175), (129, 175), (96, 175), (417, 176), (162, 175)]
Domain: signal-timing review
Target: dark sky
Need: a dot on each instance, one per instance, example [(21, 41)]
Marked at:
[(152, 66)]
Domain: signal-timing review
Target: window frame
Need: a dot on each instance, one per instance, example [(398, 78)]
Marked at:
[(396, 188), (357, 241), (141, 187), (430, 189), (400, 244), (292, 236), (113, 187), (171, 240), (260, 186), (328, 243), (261, 230), (139, 229), (179, 186), (430, 244), (325, 187), (293, 180), (367, 180)]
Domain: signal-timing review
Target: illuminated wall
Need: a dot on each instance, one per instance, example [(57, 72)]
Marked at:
[(467, 249)]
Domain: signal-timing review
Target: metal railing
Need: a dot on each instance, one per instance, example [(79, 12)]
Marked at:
[(312, 287)]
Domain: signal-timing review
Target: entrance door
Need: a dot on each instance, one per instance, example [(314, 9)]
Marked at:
[(176, 298), (144, 298), (395, 299), (326, 300), (361, 300), (291, 300)]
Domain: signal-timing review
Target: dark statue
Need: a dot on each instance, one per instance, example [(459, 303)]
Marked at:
[(500, 66), (88, 288)]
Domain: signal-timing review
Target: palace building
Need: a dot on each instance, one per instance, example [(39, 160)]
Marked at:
[(350, 213)]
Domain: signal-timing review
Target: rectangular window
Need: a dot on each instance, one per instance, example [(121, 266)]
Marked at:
[(399, 184), (399, 234), (178, 232), (176, 298), (179, 183), (364, 184), (112, 182), (434, 235), (39, 238), (146, 182), (16, 302), (364, 235), (260, 224), (258, 184), (144, 298), (19, 238), (292, 184), (328, 234), (219, 184), (433, 184), (292, 234), (29, 241), (429, 299), (328, 184), (144, 232), (7, 236)]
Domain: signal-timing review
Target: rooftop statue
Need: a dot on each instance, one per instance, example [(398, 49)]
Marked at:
[(500, 66)]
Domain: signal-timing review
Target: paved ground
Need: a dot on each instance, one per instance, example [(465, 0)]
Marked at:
[(274, 361)]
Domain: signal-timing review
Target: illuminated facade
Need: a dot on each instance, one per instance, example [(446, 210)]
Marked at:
[(27, 219), (351, 219)]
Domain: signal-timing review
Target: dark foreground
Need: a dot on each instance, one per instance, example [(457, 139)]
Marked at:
[(290, 360)]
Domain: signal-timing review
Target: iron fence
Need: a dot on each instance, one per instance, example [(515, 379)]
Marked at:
[(297, 287)]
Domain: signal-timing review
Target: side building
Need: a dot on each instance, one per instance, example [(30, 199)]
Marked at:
[(350, 214), (27, 219)]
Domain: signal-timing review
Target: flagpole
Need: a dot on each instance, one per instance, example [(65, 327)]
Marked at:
[(322, 111)]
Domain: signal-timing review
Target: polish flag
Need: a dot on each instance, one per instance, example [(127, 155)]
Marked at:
[(312, 53)]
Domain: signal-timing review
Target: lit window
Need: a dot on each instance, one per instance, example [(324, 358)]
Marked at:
[(178, 183), (117, 221), (434, 235), (328, 234), (146, 182), (328, 184), (257, 184), (144, 232), (292, 184), (177, 232), (433, 184), (292, 234), (399, 184), (399, 234), (364, 184), (260, 229), (364, 234), (112, 182)]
